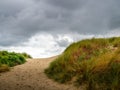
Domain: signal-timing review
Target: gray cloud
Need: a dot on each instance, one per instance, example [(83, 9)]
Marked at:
[(63, 43), (22, 19), (67, 4)]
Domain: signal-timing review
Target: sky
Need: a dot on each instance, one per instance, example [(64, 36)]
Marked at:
[(44, 28)]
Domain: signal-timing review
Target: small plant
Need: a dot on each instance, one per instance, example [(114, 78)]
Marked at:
[(4, 68)]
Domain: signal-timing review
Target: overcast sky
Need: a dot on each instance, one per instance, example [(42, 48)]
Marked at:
[(44, 28)]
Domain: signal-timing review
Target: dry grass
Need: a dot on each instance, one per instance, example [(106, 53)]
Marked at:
[(94, 62), (4, 68)]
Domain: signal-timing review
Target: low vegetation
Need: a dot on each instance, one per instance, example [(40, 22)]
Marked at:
[(10, 59), (26, 55), (94, 63)]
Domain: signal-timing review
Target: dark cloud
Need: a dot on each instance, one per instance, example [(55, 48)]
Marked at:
[(115, 22), (22, 19), (67, 4)]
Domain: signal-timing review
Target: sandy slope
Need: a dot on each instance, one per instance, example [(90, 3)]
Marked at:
[(30, 76)]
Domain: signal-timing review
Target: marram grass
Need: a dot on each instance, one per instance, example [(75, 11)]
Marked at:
[(10, 59), (94, 63)]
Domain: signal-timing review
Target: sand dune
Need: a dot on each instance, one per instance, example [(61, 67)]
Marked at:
[(30, 76)]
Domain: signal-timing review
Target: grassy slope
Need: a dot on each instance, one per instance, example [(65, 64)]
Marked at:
[(9, 59), (92, 62)]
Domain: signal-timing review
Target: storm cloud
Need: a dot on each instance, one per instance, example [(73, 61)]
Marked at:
[(64, 20)]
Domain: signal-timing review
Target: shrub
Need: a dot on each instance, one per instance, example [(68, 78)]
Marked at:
[(26, 55), (9, 59)]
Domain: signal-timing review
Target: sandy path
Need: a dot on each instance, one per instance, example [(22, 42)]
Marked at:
[(30, 76)]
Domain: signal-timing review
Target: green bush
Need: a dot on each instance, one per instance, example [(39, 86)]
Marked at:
[(10, 59), (26, 55)]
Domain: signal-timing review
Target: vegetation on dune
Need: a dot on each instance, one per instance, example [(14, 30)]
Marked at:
[(10, 59), (26, 55), (94, 63)]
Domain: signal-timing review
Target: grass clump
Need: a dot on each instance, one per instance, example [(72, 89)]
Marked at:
[(10, 59), (26, 55), (4, 68), (91, 62)]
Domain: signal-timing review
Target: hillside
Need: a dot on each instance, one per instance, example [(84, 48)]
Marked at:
[(94, 63)]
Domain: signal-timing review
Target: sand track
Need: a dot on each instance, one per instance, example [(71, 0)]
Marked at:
[(30, 76)]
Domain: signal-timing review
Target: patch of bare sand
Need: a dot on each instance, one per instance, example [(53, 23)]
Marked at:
[(30, 76)]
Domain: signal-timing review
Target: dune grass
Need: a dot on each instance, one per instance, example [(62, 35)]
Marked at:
[(94, 63), (10, 59), (4, 68), (26, 55)]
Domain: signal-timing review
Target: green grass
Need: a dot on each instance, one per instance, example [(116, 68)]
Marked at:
[(26, 55), (10, 59), (94, 63)]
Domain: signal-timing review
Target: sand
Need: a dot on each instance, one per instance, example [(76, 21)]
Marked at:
[(30, 76)]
